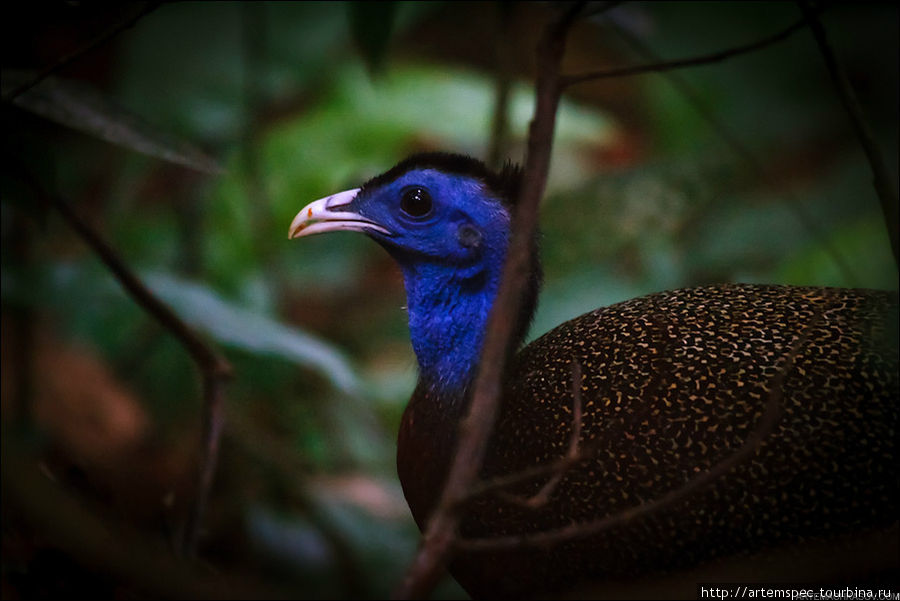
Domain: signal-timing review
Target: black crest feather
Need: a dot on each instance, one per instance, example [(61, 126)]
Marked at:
[(504, 185)]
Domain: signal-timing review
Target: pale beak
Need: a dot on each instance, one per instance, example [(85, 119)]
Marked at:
[(322, 216)]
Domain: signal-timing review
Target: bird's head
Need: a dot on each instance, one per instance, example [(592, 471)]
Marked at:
[(434, 208), (446, 220)]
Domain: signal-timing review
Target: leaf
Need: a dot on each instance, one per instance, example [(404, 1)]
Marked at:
[(235, 326), (371, 24), (82, 108)]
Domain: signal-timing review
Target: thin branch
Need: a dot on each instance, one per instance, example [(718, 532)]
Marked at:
[(764, 427), (572, 456), (498, 483), (213, 421), (475, 429), (74, 55), (95, 539), (208, 359), (881, 178), (253, 45), (705, 59), (214, 367), (741, 150), (503, 47)]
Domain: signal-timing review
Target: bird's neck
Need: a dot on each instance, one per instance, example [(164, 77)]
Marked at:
[(448, 313)]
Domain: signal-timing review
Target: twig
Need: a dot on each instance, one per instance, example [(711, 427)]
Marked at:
[(881, 179), (572, 456), (253, 39), (72, 56), (705, 59), (741, 150), (498, 483), (213, 421), (214, 367), (475, 429), (503, 46), (580, 530), (94, 539)]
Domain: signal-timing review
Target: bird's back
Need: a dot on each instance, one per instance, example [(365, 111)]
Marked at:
[(796, 387)]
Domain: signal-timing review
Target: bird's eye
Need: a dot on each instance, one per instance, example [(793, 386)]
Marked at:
[(416, 202)]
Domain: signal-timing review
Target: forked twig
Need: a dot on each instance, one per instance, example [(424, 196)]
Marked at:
[(440, 532), (881, 178), (572, 456), (694, 61), (741, 150), (74, 55), (580, 530), (215, 368), (96, 540)]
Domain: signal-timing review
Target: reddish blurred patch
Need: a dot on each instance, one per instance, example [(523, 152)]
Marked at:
[(99, 439)]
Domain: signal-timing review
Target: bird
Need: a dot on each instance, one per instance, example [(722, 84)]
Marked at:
[(741, 417)]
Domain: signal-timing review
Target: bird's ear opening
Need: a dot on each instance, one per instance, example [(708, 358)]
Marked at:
[(469, 236)]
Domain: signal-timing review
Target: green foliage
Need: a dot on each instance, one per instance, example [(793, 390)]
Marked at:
[(276, 93), (77, 106), (251, 331)]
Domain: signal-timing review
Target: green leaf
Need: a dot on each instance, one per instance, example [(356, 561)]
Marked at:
[(235, 326), (82, 108)]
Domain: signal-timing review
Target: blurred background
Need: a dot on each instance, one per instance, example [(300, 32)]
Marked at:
[(191, 137)]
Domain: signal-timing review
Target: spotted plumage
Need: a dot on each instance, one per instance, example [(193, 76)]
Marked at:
[(673, 384), (749, 417)]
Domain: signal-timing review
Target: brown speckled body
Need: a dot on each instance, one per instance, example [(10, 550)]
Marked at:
[(674, 383)]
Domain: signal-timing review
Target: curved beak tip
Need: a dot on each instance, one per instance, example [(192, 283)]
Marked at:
[(321, 216)]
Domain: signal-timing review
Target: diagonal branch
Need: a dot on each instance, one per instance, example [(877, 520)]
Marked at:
[(74, 55), (881, 179), (503, 80), (102, 544), (214, 367), (573, 455), (475, 429), (764, 427), (742, 151), (498, 483), (705, 59)]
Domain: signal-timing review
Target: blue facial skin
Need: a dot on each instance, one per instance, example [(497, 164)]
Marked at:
[(452, 260)]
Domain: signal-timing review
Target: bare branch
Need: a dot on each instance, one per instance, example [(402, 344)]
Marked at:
[(71, 57), (580, 530), (503, 70), (475, 429), (742, 151), (498, 483), (213, 421), (95, 539), (881, 179), (694, 61), (572, 456), (214, 367)]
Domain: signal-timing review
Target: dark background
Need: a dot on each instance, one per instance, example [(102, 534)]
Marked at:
[(190, 140)]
